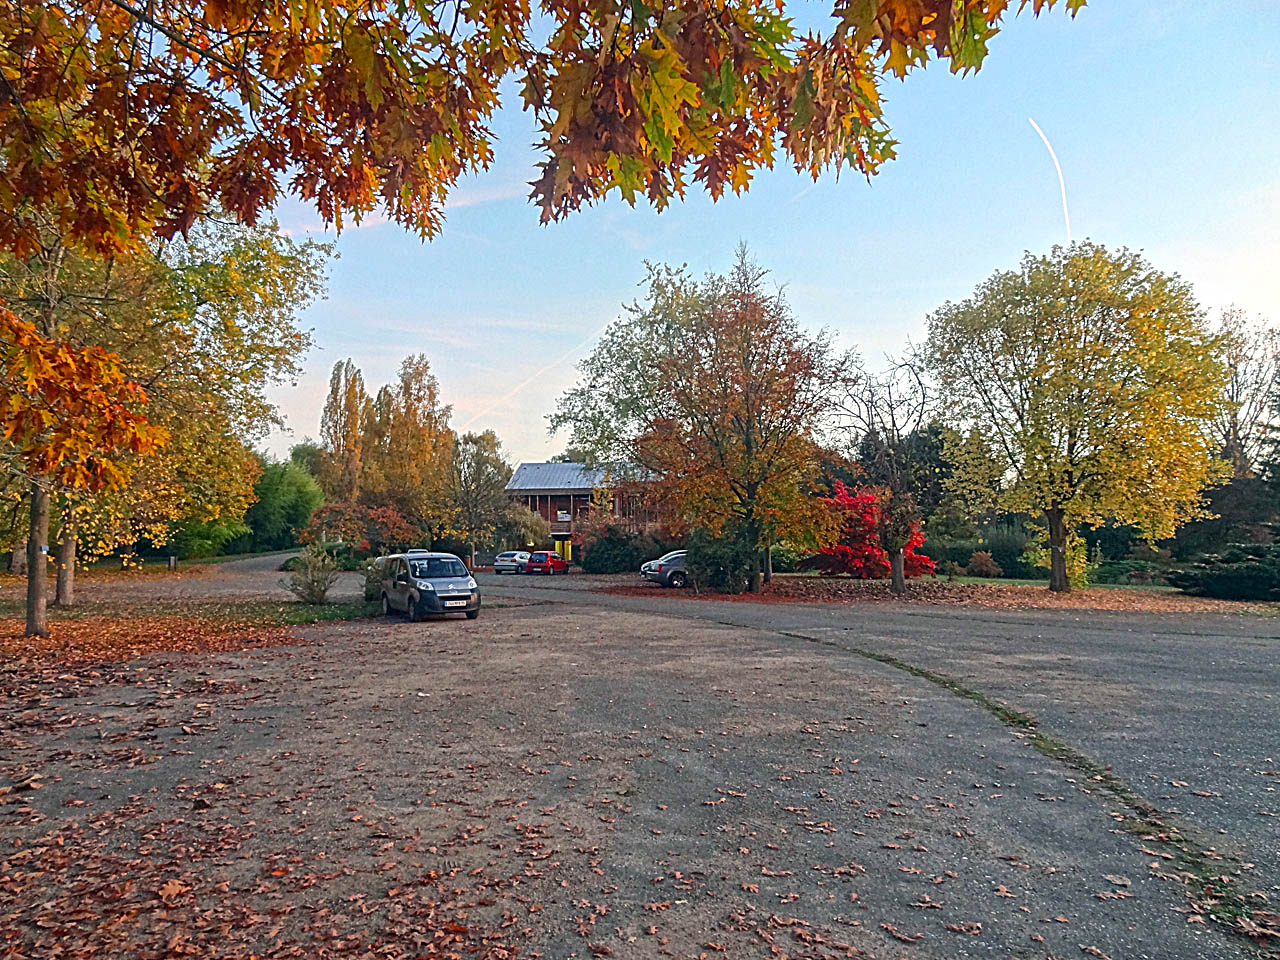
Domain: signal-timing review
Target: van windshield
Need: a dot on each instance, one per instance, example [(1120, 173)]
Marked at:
[(435, 568)]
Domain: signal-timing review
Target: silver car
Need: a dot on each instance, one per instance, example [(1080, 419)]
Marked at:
[(513, 561), (421, 584), (669, 570)]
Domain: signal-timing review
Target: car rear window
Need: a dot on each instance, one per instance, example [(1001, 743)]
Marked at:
[(436, 567), (540, 557)]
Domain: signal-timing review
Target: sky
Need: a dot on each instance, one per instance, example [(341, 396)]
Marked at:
[(1165, 117)]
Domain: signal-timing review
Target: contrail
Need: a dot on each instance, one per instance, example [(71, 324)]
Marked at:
[(534, 376), (1066, 214)]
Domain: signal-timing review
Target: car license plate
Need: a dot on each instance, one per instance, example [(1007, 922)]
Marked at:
[(455, 603)]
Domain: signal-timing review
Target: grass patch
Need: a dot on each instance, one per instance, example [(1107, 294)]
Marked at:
[(1044, 584), (227, 558), (283, 613), (293, 613)]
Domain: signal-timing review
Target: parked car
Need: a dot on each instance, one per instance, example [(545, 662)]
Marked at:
[(513, 561), (546, 561), (421, 583), (375, 570), (669, 570)]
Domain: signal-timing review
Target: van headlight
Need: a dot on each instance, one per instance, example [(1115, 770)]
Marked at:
[(471, 583), (426, 585)]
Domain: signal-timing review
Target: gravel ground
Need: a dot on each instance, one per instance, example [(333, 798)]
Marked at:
[(1185, 707), (588, 775)]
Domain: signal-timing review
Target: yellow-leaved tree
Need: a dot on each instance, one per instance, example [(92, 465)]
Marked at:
[(203, 325), (67, 417), (394, 450), (1094, 381)]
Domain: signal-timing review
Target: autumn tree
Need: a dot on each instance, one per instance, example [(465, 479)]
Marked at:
[(715, 388), (411, 457), (521, 527), (394, 450), (1095, 380), (859, 549), (205, 324), (478, 483), (342, 432), (67, 416), (357, 105), (1245, 424), (886, 411)]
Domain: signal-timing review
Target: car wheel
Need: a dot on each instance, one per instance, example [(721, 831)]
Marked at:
[(386, 606), (472, 614), (676, 580), (411, 608)]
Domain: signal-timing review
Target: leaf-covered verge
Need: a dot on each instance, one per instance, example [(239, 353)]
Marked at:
[(800, 589), (109, 632)]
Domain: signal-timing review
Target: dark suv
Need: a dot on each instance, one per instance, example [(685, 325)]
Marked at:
[(428, 583)]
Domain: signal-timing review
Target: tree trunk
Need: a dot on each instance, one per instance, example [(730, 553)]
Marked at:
[(754, 583), (65, 591), (1059, 582), (18, 559), (768, 564), (898, 572), (37, 554)]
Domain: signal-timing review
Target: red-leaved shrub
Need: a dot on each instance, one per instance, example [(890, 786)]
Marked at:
[(858, 553)]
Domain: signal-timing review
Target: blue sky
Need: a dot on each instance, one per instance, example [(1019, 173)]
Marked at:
[(1164, 115)]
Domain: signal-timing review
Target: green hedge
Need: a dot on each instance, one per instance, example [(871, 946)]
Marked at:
[(1126, 571), (617, 552), (719, 564), (1245, 571)]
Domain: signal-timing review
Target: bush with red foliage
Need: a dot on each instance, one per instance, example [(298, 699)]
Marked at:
[(365, 530), (859, 553)]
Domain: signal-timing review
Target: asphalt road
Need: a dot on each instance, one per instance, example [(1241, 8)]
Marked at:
[(1185, 708)]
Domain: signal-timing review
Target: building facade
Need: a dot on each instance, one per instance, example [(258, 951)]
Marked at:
[(561, 494)]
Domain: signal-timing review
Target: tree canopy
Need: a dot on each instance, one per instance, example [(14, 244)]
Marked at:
[(714, 387), (1095, 382), (202, 326), (1246, 423), (392, 451), (119, 121), (478, 485)]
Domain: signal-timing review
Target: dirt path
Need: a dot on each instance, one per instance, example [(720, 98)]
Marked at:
[(1185, 708), (554, 782), (593, 775)]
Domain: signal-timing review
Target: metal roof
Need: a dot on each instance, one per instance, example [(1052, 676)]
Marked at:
[(554, 477)]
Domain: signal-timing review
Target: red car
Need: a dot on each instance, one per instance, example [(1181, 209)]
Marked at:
[(546, 561)]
